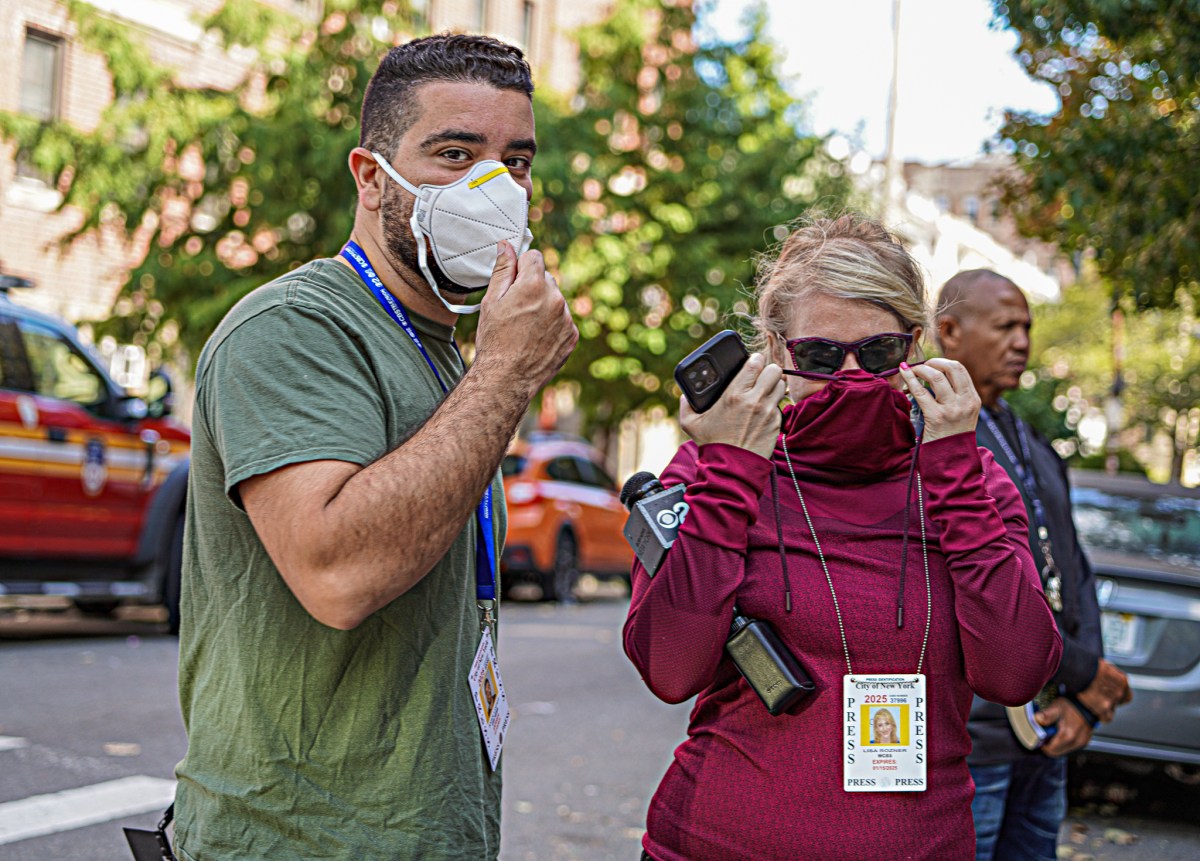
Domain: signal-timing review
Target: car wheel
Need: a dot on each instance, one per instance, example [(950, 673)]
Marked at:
[(172, 578), (558, 584)]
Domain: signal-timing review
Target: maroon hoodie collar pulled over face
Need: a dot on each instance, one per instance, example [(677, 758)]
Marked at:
[(855, 430)]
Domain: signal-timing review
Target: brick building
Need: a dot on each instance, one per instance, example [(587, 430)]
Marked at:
[(968, 191), (49, 75)]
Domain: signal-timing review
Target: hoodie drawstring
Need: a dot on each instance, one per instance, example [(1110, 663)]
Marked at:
[(787, 583), (912, 470)]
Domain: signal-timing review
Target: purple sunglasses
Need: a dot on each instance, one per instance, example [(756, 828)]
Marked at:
[(821, 358)]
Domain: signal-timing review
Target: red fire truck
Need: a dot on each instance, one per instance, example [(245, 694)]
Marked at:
[(92, 479)]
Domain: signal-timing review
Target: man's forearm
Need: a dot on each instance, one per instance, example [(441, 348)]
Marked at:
[(367, 535)]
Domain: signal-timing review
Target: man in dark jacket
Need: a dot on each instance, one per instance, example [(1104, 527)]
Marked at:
[(1020, 795)]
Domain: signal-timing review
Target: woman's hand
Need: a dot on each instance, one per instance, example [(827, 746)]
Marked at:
[(746, 415), (952, 407)]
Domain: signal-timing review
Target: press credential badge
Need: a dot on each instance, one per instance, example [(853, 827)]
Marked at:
[(884, 745), (491, 705)]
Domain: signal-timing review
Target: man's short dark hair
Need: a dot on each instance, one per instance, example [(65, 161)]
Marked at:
[(390, 106)]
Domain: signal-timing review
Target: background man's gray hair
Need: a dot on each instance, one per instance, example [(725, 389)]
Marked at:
[(954, 300)]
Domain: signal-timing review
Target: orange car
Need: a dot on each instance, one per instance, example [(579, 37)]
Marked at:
[(564, 516)]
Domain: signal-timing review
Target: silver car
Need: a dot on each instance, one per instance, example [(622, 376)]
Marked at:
[(1143, 540)]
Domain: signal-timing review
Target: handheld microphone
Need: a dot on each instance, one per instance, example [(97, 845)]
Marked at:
[(655, 515)]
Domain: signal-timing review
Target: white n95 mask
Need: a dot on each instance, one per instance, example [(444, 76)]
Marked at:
[(463, 222)]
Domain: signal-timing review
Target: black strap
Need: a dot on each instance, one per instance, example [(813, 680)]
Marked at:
[(912, 471), (167, 818), (787, 583)]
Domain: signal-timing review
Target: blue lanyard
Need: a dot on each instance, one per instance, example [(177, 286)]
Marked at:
[(1051, 577), (485, 545), (1023, 466)]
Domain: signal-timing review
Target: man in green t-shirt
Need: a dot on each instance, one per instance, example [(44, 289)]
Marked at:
[(337, 554)]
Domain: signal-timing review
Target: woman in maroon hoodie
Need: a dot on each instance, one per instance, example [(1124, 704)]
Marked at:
[(896, 570)]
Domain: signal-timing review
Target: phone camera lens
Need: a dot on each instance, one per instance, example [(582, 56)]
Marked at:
[(702, 375)]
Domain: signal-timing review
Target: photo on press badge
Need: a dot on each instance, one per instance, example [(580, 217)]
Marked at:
[(885, 725), (487, 692)]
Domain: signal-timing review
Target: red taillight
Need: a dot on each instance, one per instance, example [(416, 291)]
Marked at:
[(522, 493), (518, 556)]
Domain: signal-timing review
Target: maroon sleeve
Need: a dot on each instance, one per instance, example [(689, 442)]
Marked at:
[(679, 619), (1010, 642)]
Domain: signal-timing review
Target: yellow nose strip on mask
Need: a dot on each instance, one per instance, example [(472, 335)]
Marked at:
[(475, 183)]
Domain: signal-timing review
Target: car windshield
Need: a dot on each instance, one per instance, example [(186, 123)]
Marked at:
[(1165, 528)]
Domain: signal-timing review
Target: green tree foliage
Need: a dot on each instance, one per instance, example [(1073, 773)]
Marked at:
[(677, 160), (1163, 379), (1072, 370), (274, 191), (115, 171), (1070, 366), (225, 189), (1115, 171)]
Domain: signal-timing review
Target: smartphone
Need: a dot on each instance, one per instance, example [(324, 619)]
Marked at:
[(707, 371)]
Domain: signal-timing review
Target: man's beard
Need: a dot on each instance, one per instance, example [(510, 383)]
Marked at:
[(400, 244)]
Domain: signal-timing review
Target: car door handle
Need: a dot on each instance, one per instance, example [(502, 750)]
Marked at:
[(56, 434)]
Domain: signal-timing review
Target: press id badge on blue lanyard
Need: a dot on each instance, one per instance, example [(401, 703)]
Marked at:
[(484, 680), (485, 544)]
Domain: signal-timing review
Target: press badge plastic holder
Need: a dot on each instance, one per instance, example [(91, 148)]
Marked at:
[(885, 745)]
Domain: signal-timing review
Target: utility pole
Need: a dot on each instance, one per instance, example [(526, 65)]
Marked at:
[(891, 164), (1113, 411)]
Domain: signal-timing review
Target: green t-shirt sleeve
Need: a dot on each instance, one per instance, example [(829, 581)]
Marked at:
[(289, 385)]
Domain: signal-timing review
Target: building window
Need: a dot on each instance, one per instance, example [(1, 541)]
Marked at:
[(971, 208), (527, 24), (481, 14), (41, 69)]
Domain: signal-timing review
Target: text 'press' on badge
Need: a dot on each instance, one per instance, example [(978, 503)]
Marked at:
[(884, 741)]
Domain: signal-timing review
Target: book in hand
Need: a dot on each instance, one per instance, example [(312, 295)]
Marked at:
[(1025, 727)]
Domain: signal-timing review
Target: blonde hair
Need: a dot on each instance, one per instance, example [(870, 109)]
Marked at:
[(849, 257)]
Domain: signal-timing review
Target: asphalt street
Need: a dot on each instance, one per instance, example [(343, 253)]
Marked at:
[(88, 709)]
